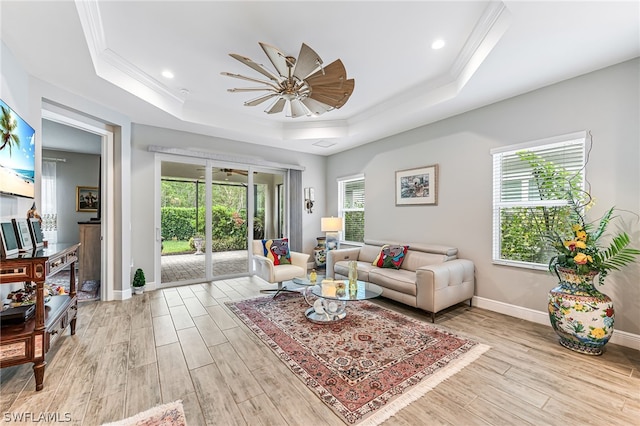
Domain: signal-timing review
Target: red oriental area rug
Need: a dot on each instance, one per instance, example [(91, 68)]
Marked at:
[(366, 367)]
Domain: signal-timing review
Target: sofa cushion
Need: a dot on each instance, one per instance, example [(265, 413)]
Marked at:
[(277, 251), (390, 256), (415, 259), (400, 280), (368, 253)]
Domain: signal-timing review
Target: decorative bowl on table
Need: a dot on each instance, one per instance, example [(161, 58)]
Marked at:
[(27, 296)]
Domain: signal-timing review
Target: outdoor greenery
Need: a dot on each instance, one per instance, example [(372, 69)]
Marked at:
[(525, 230), (354, 226), (175, 247), (181, 221)]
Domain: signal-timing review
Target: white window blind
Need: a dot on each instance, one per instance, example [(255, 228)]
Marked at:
[(351, 207), (530, 186)]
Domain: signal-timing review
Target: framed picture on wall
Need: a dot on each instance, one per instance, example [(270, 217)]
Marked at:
[(417, 186), (87, 199)]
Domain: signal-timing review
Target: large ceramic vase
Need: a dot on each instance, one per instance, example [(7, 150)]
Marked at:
[(320, 252), (581, 315)]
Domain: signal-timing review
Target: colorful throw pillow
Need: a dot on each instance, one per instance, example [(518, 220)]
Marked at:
[(391, 256), (277, 251)]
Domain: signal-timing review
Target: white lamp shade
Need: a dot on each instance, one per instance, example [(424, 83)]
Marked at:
[(331, 224)]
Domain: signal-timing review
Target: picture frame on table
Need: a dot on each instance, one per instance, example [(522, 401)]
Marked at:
[(417, 186), (9, 246), (23, 234), (35, 230), (87, 199)]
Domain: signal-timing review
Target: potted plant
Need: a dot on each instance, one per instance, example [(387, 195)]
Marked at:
[(581, 315), (138, 281)]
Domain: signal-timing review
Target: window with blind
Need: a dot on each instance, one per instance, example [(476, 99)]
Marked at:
[(531, 187), (351, 207)]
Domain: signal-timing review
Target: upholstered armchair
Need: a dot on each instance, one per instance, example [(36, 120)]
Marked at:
[(270, 272)]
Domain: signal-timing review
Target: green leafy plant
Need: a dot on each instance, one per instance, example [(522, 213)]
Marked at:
[(582, 251), (138, 278)]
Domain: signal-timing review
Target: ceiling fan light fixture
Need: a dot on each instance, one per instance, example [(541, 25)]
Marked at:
[(302, 86)]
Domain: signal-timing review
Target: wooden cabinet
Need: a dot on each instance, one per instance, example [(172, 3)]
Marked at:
[(90, 253), (30, 340)]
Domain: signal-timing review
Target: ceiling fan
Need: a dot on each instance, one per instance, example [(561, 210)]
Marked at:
[(299, 86), (230, 172)]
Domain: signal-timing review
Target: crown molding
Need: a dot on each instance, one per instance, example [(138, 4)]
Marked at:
[(115, 69)]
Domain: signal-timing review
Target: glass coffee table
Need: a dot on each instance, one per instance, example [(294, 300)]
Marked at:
[(331, 305), (297, 285)]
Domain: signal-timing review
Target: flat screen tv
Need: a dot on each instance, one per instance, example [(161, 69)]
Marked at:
[(17, 154), (8, 240)]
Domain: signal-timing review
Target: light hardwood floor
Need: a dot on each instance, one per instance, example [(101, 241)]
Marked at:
[(183, 343)]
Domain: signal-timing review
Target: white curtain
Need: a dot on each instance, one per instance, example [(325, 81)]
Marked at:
[(49, 210)]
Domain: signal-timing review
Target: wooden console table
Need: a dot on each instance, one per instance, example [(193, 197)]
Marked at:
[(30, 341)]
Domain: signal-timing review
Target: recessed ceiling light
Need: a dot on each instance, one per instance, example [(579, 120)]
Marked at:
[(438, 44), (167, 74)]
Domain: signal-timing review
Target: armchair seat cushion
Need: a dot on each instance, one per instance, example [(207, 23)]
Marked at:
[(288, 272), (268, 270)]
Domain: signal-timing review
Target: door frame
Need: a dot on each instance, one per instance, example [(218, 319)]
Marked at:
[(209, 162), (107, 203)]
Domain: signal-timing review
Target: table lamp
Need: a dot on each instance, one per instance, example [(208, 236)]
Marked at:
[(331, 226)]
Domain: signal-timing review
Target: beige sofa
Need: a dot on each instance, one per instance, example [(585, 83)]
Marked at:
[(431, 277)]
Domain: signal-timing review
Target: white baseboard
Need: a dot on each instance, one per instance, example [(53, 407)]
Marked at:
[(126, 294), (621, 338), (122, 294)]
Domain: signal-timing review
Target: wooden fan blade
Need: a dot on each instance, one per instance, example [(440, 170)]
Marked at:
[(238, 172), (337, 90), (261, 99), (297, 108), (334, 72), (334, 96), (277, 58), (308, 62), (255, 80), (316, 107), (250, 63), (276, 107)]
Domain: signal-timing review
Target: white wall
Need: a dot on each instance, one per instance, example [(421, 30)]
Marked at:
[(605, 102), (143, 182)]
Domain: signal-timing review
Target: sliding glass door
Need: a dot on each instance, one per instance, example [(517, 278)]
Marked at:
[(210, 212), (229, 221), (182, 205)]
